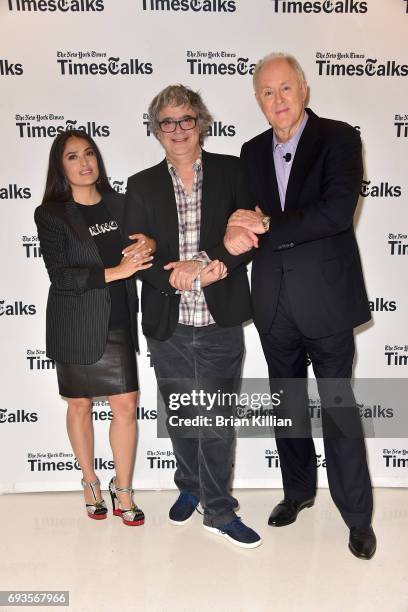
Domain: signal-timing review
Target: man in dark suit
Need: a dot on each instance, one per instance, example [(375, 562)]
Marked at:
[(308, 289), (194, 298)]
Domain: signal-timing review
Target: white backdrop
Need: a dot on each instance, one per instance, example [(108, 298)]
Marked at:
[(97, 64)]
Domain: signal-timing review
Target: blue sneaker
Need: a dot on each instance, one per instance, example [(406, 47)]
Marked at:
[(237, 533), (183, 509)]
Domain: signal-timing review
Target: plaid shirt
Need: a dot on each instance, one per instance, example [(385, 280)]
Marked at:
[(193, 308)]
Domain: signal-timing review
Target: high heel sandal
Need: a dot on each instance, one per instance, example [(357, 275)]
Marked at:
[(131, 516), (97, 510)]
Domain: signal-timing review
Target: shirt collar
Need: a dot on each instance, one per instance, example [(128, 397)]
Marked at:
[(197, 164), (291, 144)]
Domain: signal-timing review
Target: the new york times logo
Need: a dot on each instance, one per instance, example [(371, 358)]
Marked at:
[(31, 247), (195, 6), (396, 354), (8, 68), (395, 458), (327, 7), (51, 6), (26, 129), (379, 304), (379, 190), (370, 67), (17, 309), (156, 460), (60, 462), (19, 416), (13, 192), (216, 129), (398, 244), (37, 360), (96, 63), (272, 459), (401, 125), (225, 63)]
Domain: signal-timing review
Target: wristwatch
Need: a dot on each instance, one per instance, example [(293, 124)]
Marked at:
[(265, 222)]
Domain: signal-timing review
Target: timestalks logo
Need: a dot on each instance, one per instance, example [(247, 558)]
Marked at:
[(371, 67), (395, 458), (401, 125), (379, 304), (196, 6), (398, 244), (9, 69), (272, 460), (17, 308), (319, 6), (13, 192), (19, 416), (239, 66), (142, 414), (156, 460), (396, 355), (37, 360), (380, 190), (218, 128), (27, 130), (31, 247), (112, 66), (51, 6), (38, 463)]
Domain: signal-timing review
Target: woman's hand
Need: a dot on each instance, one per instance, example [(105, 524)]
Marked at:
[(143, 244), (127, 267)]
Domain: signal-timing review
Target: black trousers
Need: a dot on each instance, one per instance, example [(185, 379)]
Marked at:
[(209, 358), (286, 351)]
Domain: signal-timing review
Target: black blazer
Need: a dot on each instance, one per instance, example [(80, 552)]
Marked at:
[(313, 240), (78, 307), (151, 208)]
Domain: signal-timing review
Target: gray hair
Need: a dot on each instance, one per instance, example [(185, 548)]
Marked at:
[(292, 61), (180, 95)]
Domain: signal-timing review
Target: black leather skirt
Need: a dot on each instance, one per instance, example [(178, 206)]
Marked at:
[(115, 372)]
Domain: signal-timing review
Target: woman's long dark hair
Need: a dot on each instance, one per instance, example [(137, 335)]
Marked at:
[(57, 188)]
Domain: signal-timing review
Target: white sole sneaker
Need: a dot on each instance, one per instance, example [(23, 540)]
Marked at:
[(236, 542)]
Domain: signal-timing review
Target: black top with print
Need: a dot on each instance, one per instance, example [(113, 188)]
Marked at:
[(108, 239)]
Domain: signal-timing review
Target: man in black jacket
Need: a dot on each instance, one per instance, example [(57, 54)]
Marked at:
[(308, 289), (194, 298)]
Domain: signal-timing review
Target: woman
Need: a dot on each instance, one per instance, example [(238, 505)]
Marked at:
[(91, 311)]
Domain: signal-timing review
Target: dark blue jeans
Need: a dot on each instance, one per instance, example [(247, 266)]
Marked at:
[(210, 357)]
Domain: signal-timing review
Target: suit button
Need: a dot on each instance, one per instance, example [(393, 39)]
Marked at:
[(292, 244)]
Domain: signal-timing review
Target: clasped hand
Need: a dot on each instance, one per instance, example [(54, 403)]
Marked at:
[(184, 273), (242, 229)]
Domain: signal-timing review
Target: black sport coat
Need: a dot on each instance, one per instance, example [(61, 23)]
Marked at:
[(313, 240), (151, 208), (78, 307)]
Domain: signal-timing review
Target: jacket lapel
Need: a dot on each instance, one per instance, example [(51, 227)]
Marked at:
[(167, 216), (266, 165), (209, 194), (306, 152)]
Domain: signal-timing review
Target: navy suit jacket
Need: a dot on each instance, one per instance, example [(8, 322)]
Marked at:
[(313, 240)]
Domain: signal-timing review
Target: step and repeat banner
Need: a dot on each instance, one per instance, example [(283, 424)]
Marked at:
[(96, 65)]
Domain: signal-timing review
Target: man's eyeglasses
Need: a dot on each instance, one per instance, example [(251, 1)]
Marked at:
[(170, 125)]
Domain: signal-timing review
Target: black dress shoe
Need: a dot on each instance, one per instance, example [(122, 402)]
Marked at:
[(362, 542), (287, 510)]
